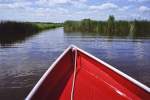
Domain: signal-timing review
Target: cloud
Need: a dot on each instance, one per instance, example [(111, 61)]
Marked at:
[(55, 2), (124, 8), (61, 10), (144, 9), (33, 7), (139, 0), (51, 2), (39, 3), (105, 6), (15, 5)]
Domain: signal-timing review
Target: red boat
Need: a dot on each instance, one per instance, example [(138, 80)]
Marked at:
[(77, 75)]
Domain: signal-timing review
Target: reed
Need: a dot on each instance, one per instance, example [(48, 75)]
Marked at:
[(12, 31), (110, 27)]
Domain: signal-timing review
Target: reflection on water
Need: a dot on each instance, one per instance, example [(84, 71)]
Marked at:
[(22, 64), (9, 38)]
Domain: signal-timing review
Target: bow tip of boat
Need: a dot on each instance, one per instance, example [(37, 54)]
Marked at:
[(73, 46)]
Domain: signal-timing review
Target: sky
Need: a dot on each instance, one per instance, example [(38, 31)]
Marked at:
[(62, 10)]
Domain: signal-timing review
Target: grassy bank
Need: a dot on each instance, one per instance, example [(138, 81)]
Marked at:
[(23, 27), (11, 31), (110, 27), (44, 26)]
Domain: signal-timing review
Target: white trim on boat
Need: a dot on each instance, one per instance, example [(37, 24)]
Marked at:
[(146, 88)]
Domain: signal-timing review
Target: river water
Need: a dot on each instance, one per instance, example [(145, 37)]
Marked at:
[(23, 63)]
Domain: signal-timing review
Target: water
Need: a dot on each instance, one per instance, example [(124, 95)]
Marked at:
[(22, 64)]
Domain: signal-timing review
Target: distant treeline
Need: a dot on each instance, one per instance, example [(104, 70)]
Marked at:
[(109, 27), (11, 31)]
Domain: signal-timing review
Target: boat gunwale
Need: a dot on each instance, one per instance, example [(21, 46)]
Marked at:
[(38, 84)]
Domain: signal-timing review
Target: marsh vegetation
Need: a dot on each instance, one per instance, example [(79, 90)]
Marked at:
[(111, 27), (12, 31)]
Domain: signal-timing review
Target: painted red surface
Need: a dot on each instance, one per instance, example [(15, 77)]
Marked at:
[(93, 81)]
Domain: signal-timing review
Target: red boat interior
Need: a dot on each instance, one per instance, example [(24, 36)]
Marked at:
[(93, 81)]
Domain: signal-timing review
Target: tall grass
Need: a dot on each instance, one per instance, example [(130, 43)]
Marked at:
[(110, 27), (12, 31)]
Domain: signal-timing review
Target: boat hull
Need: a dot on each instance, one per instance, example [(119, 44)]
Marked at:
[(80, 76)]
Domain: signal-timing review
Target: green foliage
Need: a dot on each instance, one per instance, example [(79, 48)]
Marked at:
[(43, 26), (25, 27), (11, 31), (109, 27)]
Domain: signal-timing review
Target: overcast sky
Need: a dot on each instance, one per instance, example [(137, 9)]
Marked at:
[(61, 10)]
